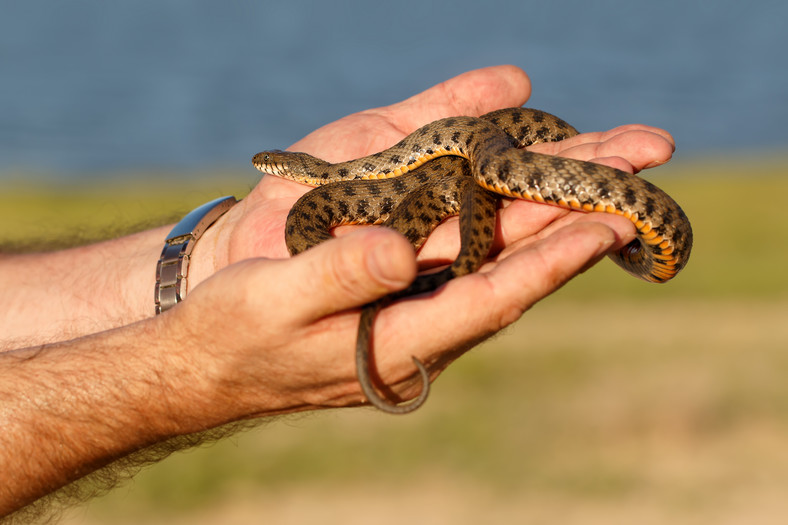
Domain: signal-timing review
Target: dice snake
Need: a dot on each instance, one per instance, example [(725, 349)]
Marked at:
[(464, 165)]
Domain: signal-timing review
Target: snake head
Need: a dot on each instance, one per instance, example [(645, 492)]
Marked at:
[(287, 164), (271, 161)]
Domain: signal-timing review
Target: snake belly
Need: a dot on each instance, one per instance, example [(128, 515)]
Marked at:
[(496, 161)]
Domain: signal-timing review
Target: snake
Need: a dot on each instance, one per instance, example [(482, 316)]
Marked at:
[(466, 165)]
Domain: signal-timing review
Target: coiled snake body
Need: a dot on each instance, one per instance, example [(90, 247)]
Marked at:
[(464, 164)]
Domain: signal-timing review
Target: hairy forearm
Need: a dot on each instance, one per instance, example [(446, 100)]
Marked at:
[(70, 408), (61, 295)]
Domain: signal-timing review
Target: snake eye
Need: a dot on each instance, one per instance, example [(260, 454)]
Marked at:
[(266, 157)]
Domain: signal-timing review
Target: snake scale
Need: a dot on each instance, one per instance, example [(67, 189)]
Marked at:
[(464, 165)]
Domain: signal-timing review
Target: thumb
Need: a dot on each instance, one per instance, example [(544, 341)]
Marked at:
[(472, 93), (348, 272)]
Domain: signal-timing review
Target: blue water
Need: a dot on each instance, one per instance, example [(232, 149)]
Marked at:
[(96, 87)]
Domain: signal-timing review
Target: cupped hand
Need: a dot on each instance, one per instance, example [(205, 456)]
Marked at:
[(269, 336), (255, 227), (291, 323)]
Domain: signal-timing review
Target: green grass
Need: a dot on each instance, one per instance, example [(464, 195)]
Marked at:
[(612, 401), (58, 214), (739, 225)]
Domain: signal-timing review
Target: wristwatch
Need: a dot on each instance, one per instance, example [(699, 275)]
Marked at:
[(173, 265)]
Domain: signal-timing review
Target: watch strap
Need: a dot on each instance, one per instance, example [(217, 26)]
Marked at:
[(173, 266)]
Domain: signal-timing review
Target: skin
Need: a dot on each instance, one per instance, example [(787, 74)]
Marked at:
[(89, 376)]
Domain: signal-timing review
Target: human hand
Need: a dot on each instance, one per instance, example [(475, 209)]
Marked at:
[(254, 228), (547, 244), (269, 336)]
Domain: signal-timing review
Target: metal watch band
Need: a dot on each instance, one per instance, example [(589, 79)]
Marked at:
[(173, 265)]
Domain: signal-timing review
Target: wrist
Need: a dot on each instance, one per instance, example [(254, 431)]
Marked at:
[(212, 252), (172, 269)]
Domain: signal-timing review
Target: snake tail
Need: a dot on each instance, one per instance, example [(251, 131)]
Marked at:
[(476, 207), (363, 344)]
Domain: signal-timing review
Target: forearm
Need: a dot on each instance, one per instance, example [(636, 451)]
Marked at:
[(74, 407), (61, 295), (231, 351), (71, 407)]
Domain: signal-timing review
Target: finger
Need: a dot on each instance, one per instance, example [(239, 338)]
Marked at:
[(473, 93), (623, 229), (511, 286), (518, 220), (641, 148), (482, 303), (602, 136), (344, 273), (619, 163), (531, 273)]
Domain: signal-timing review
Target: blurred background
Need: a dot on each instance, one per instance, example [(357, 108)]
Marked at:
[(613, 401)]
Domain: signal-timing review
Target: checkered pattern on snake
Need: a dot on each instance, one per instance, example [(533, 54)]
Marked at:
[(404, 188)]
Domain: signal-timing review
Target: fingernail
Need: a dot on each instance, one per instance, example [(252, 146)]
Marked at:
[(384, 266)]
